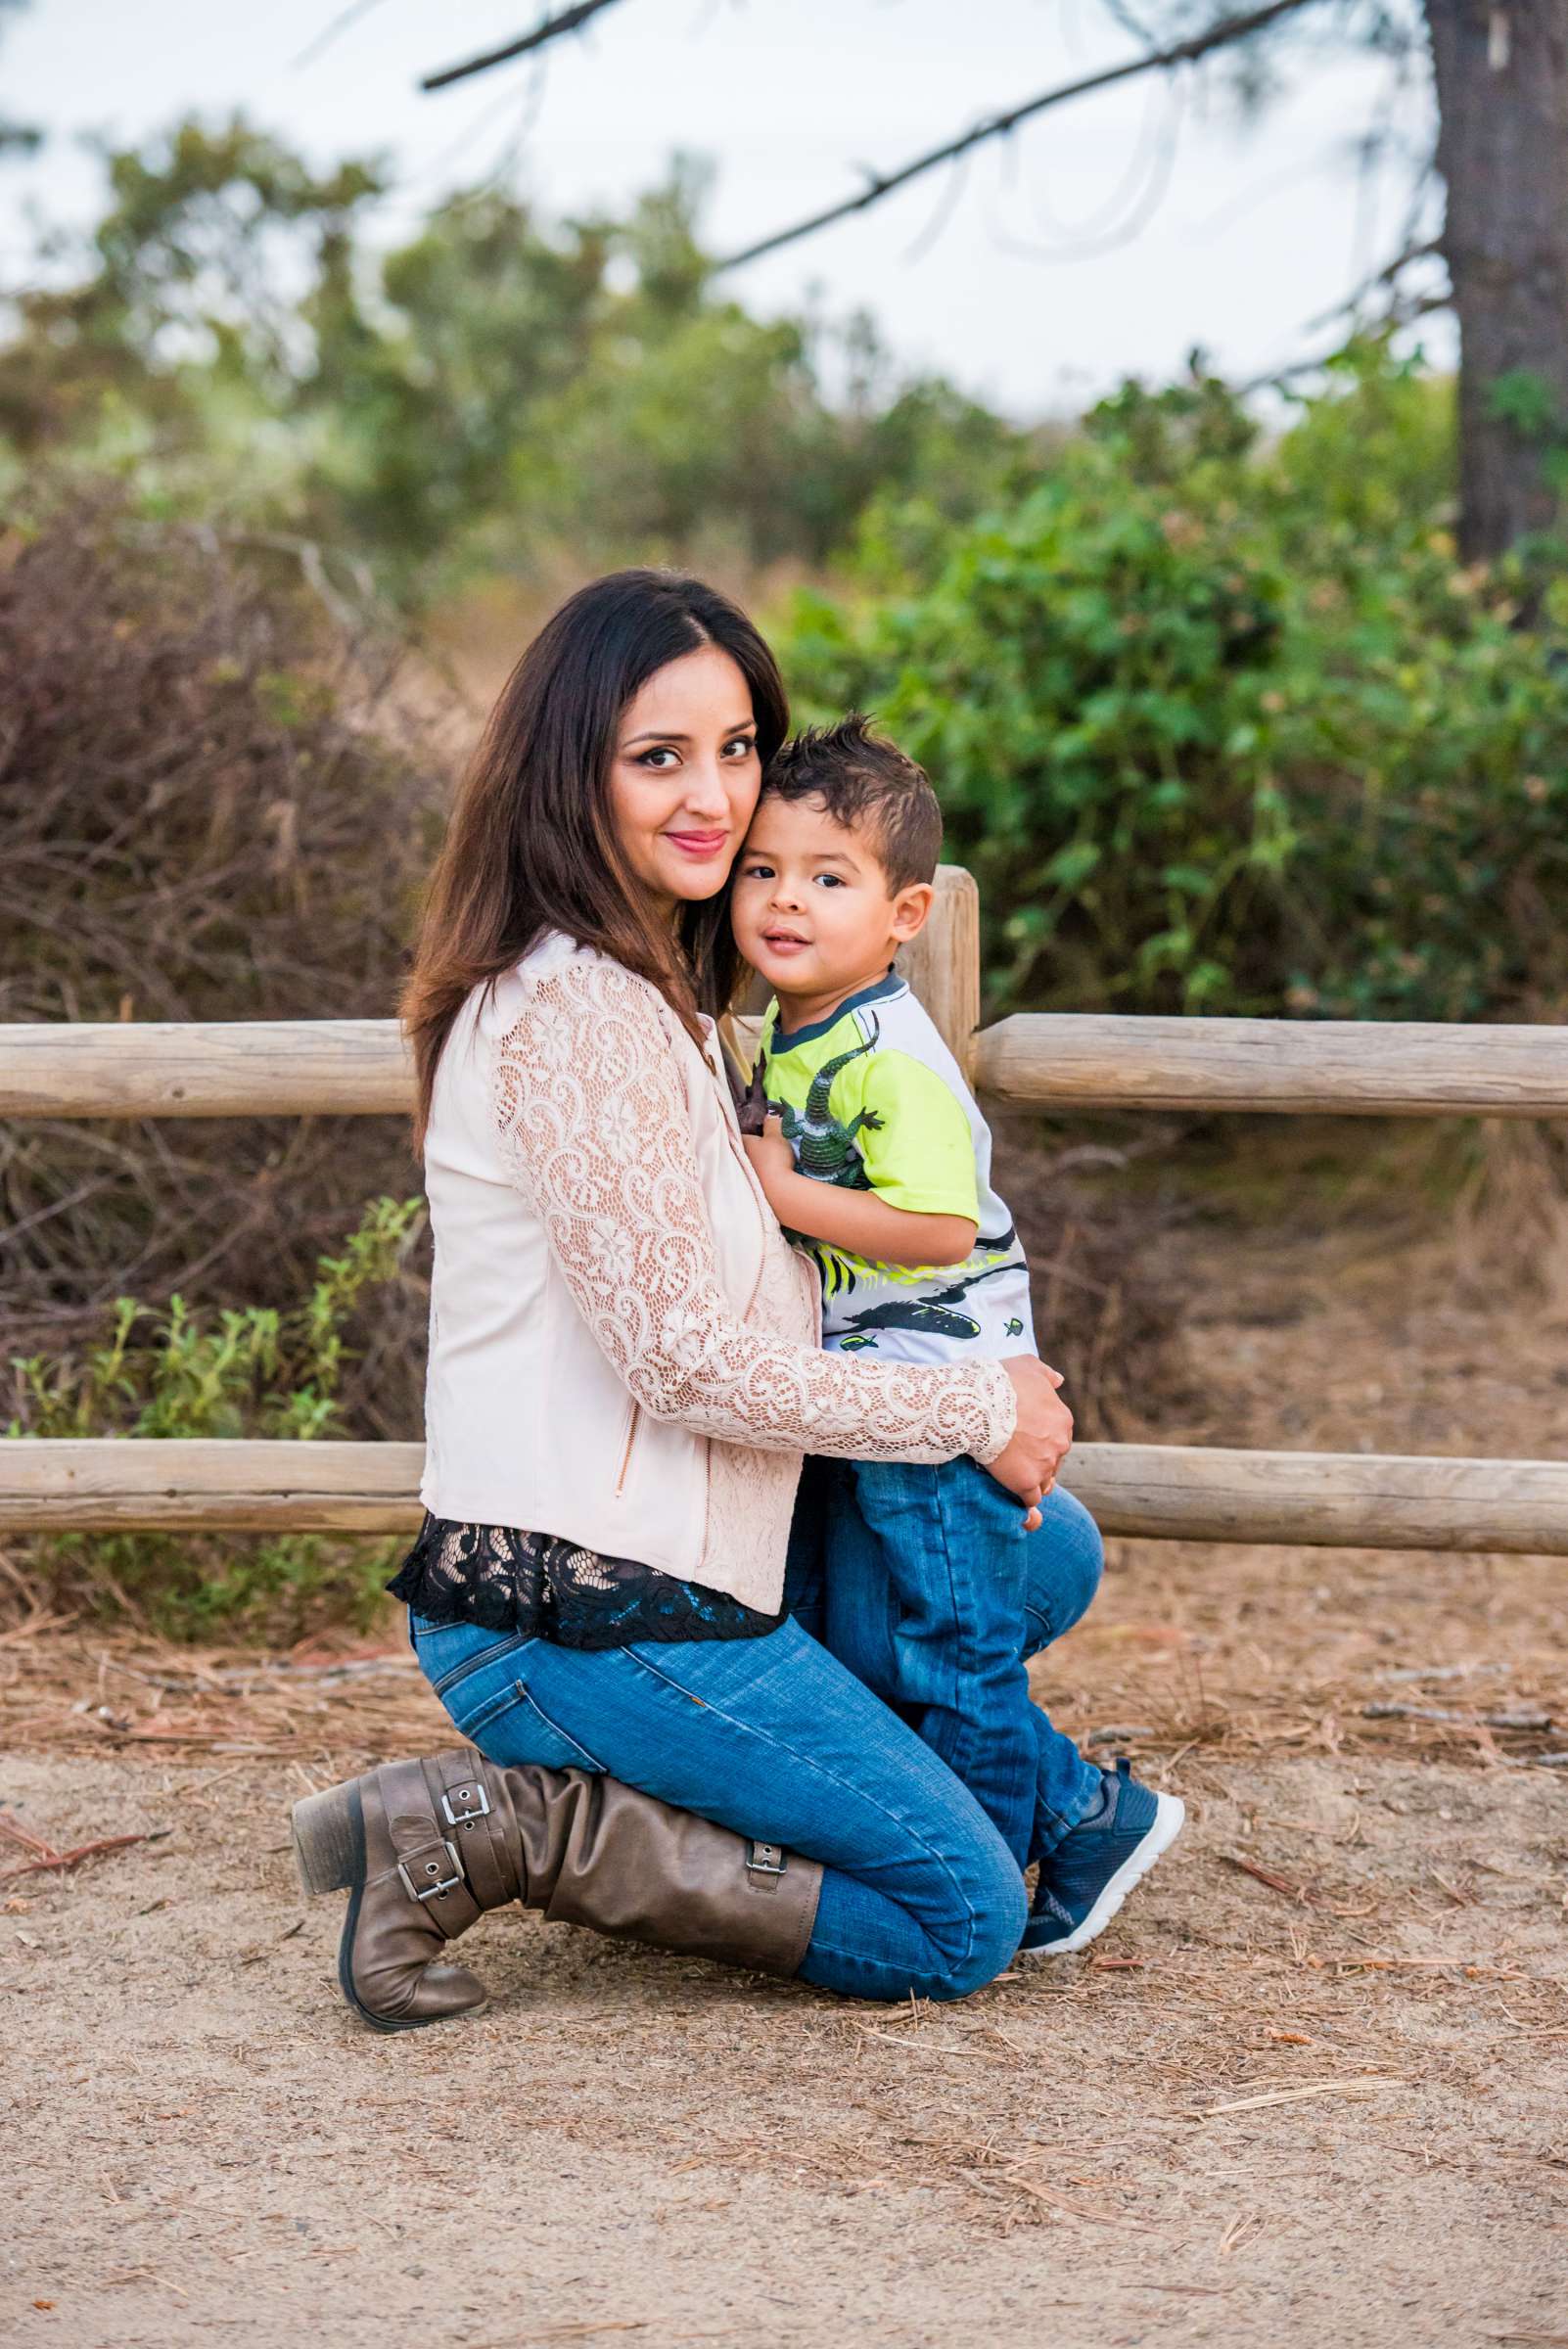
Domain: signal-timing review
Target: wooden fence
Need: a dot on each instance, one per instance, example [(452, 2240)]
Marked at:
[(1062, 1061)]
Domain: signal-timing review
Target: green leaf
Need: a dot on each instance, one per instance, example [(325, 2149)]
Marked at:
[(1072, 864)]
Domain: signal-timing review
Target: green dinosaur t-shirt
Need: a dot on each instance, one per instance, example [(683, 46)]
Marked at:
[(872, 1099)]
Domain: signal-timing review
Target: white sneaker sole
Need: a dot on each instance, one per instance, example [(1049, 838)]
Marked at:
[(1169, 1820)]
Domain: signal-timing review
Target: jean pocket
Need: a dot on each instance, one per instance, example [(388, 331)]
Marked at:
[(547, 1742), (450, 1653)]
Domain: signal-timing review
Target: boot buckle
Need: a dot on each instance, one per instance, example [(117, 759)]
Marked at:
[(766, 1860), (432, 1867), (475, 1802)]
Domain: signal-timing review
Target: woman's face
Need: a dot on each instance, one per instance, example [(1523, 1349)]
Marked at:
[(686, 775)]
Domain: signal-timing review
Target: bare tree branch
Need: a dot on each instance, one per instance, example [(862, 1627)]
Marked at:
[(340, 24), (1398, 314), (1180, 53), (1387, 276), (568, 19)]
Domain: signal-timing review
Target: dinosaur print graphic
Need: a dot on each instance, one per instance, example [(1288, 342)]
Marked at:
[(933, 1316), (824, 1148)]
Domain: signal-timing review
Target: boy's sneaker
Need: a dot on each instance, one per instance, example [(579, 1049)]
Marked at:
[(1095, 1865)]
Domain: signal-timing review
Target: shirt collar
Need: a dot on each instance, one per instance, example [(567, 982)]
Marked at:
[(787, 1040)]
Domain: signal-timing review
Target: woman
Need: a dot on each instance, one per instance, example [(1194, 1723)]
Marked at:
[(624, 1376)]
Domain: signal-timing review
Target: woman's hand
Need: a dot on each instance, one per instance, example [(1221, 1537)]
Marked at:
[(1027, 1462)]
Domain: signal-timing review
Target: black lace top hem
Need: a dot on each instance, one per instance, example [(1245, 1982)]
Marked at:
[(506, 1580)]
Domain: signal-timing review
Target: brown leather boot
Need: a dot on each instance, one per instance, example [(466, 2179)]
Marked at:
[(596, 1852), (392, 1839), (426, 1847)]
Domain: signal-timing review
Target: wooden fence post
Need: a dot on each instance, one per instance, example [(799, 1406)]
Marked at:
[(943, 964)]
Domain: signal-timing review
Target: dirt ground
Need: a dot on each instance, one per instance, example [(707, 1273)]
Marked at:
[(1311, 2086)]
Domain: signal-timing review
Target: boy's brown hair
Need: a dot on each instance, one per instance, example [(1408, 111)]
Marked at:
[(861, 778)]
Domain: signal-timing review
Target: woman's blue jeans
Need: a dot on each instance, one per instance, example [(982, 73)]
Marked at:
[(773, 1738)]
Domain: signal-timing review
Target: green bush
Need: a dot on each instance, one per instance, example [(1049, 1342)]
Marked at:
[(251, 1371), (1223, 727), (503, 394)]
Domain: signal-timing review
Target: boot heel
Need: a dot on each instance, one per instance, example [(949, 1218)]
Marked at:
[(329, 1839)]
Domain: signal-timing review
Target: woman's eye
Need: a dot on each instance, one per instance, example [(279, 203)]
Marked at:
[(741, 747), (656, 757)]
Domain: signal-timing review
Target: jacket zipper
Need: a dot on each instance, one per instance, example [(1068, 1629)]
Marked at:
[(738, 1147), (626, 1453)]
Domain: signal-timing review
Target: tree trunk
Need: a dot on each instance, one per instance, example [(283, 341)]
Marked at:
[(1502, 70)]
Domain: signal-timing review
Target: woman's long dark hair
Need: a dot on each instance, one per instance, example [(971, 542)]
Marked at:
[(532, 844)]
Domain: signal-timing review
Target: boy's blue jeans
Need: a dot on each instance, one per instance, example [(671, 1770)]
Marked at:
[(923, 1582)]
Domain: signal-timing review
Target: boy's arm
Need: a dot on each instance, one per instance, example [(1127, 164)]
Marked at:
[(860, 1221)]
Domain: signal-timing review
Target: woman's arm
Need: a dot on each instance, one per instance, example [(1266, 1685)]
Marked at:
[(594, 1120)]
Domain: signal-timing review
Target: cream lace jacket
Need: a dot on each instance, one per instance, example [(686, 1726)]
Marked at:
[(623, 1348)]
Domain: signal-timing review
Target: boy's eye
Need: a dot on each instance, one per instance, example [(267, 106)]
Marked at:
[(830, 880), (754, 872)]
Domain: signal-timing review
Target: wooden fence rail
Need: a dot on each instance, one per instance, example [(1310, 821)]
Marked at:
[(1175, 1492), (233, 1069), (1067, 1061), (1373, 1068), (360, 1068)]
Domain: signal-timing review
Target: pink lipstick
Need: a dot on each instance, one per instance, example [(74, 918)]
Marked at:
[(697, 844)]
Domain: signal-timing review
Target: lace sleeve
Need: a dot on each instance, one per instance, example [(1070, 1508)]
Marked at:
[(594, 1127)]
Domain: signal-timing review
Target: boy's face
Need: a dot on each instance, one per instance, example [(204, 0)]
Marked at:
[(810, 906)]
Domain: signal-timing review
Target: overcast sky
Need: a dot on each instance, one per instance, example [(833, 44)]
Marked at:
[(1245, 235)]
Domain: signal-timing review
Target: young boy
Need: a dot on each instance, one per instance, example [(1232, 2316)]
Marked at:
[(879, 1162)]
